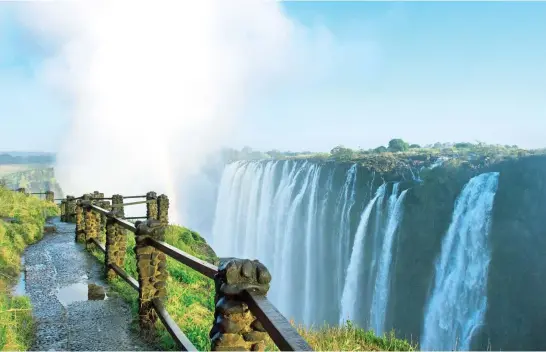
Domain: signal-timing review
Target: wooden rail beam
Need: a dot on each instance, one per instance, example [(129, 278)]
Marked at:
[(133, 203), (181, 340), (285, 336), (99, 245), (125, 224), (133, 197), (129, 279), (196, 264)]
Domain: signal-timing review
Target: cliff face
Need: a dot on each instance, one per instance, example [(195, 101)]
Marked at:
[(515, 287), (39, 179)]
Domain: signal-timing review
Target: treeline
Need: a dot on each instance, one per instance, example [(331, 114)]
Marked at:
[(396, 146), (9, 159)]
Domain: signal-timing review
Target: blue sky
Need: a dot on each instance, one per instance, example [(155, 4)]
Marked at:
[(422, 71)]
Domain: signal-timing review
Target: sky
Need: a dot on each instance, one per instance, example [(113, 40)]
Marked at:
[(356, 74)]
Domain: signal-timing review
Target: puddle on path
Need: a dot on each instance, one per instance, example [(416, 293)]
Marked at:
[(81, 291), (21, 288)]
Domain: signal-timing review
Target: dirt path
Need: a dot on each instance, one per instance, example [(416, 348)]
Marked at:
[(57, 274)]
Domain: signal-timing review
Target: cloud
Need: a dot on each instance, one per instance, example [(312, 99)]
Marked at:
[(154, 86)]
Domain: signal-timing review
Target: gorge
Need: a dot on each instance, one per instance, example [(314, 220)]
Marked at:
[(446, 255)]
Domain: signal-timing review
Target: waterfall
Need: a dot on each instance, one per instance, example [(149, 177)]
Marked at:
[(350, 289), (310, 245), (457, 305), (382, 282), (347, 196)]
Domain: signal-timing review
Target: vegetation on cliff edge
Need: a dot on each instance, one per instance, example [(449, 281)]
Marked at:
[(21, 223), (398, 155)]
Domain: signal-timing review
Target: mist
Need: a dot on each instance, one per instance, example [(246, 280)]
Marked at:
[(153, 87)]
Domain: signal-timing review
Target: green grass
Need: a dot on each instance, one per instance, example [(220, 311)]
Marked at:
[(16, 327), (191, 303)]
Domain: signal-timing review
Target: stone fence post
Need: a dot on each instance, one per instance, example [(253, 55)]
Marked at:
[(116, 243), (163, 209), (92, 221), (151, 208), (117, 205), (80, 219), (152, 271), (50, 196), (235, 327), (70, 209), (63, 210)]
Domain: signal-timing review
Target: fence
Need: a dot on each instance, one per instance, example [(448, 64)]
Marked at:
[(243, 316), (49, 195)]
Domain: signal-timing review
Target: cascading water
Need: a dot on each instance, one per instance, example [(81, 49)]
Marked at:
[(350, 289), (458, 302), (344, 205), (290, 216), (382, 281)]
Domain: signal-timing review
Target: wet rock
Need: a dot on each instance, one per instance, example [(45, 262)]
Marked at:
[(50, 229), (95, 292)]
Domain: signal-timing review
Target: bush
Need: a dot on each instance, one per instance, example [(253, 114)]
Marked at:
[(398, 145)]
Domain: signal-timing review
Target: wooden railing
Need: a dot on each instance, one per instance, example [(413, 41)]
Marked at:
[(243, 317), (49, 195)]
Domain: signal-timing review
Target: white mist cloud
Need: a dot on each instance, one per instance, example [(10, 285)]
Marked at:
[(153, 86)]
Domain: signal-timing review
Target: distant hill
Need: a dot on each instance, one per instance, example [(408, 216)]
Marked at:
[(17, 158)]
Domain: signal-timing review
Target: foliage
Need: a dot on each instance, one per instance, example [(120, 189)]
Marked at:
[(398, 145), (342, 153), (30, 213)]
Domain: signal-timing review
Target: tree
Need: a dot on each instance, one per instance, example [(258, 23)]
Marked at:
[(415, 146), (342, 153), (274, 153), (398, 145), (380, 149), (463, 145)]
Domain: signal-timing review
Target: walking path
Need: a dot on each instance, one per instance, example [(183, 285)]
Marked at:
[(57, 276)]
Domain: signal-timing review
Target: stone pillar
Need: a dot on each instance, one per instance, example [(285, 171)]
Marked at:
[(50, 196), (63, 210), (104, 204), (80, 219), (70, 209), (235, 327), (116, 245), (151, 208), (117, 205), (152, 271), (92, 222), (163, 209)]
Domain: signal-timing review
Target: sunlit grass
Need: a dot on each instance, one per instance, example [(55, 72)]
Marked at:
[(16, 326)]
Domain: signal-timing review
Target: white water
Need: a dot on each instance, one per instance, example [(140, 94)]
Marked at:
[(458, 302), (382, 281), (345, 203), (351, 288), (290, 216)]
